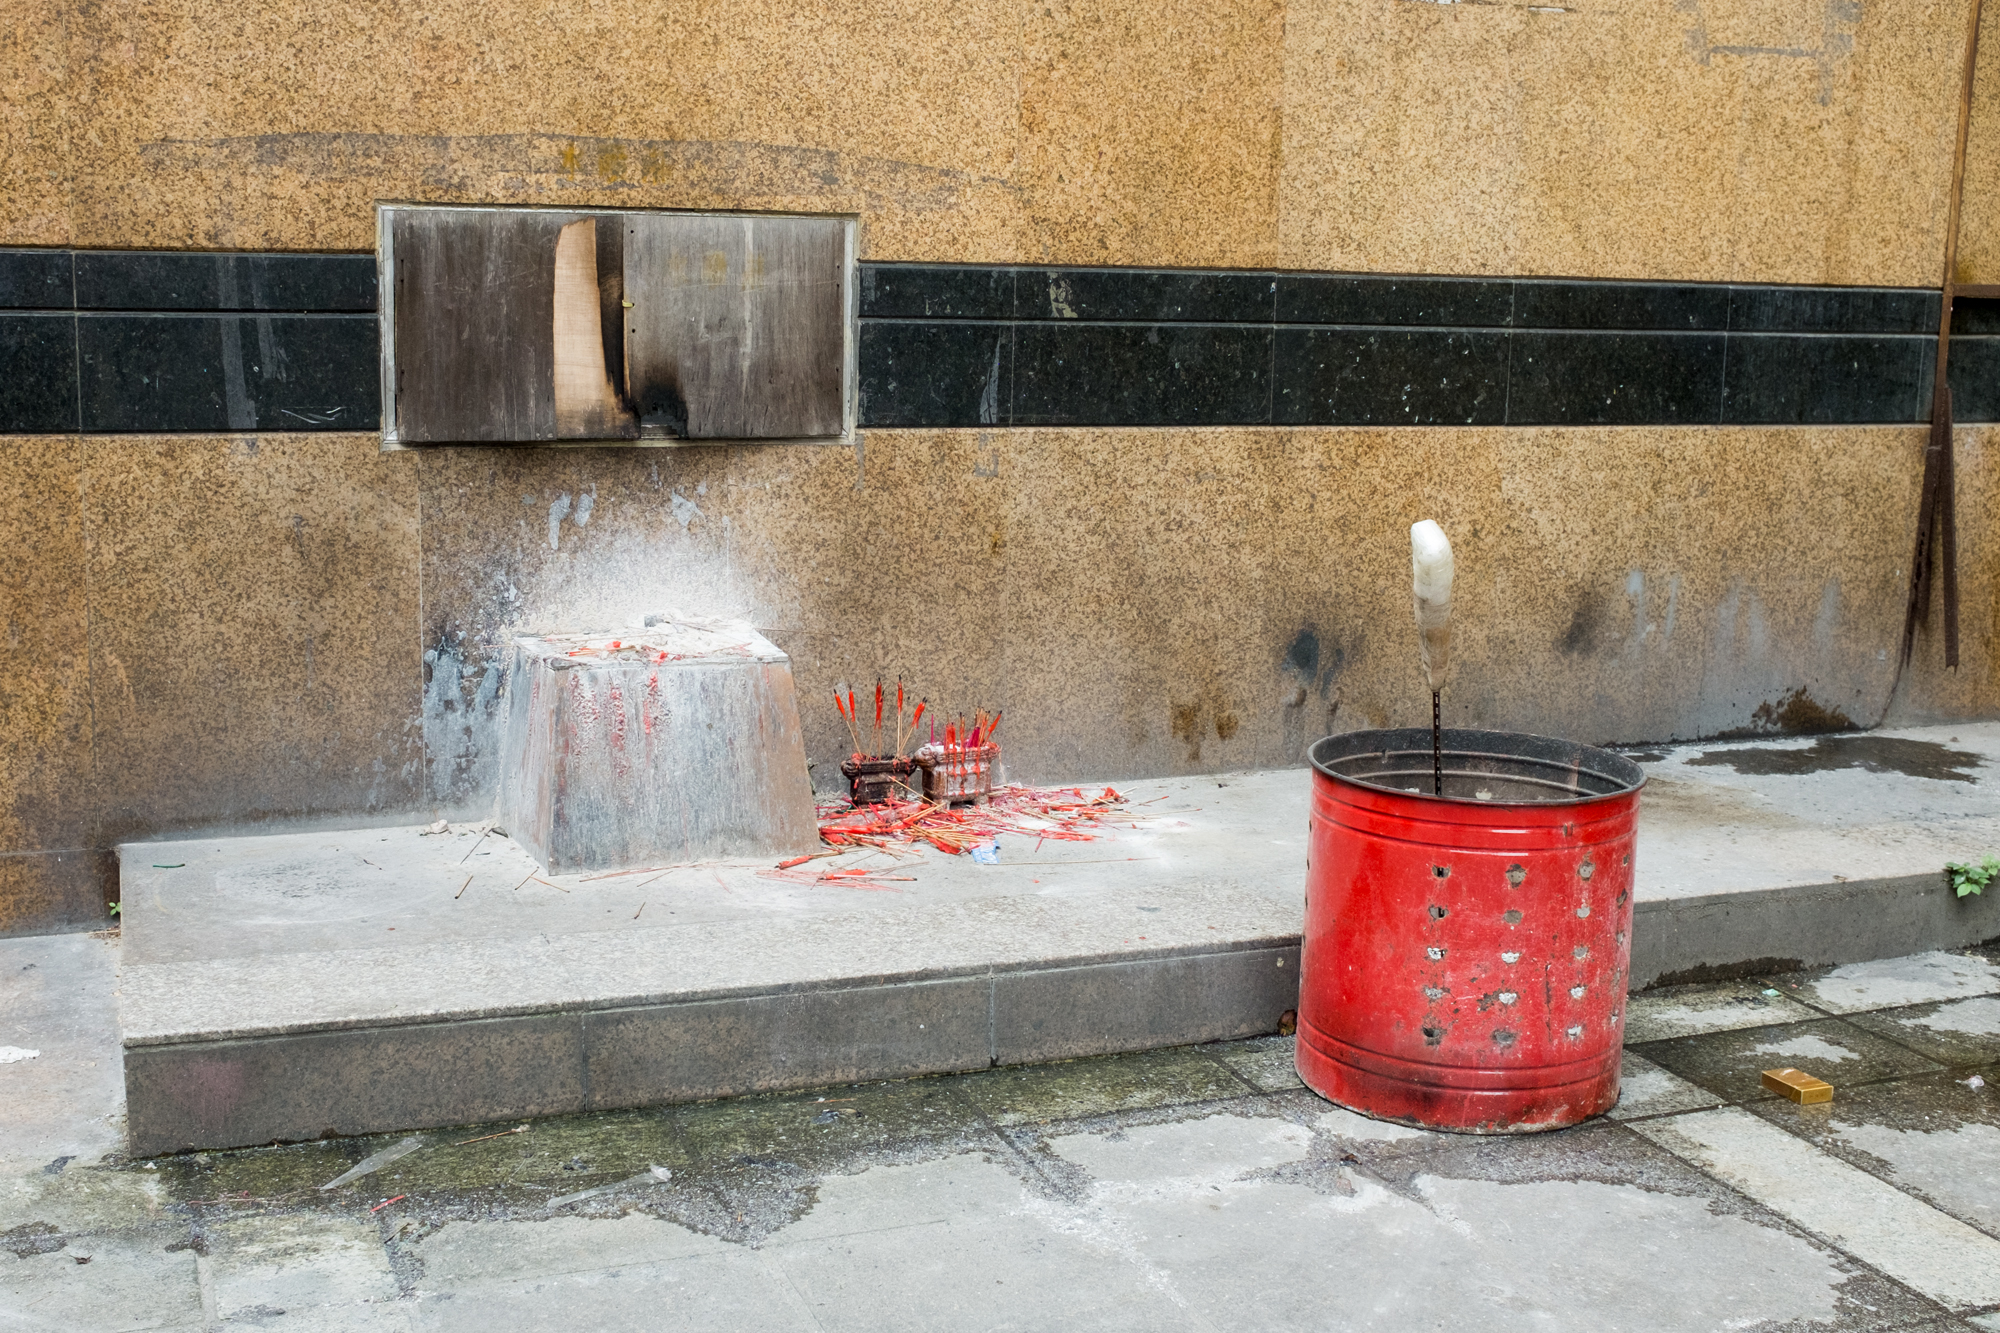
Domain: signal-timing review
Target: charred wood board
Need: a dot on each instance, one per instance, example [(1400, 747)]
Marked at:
[(736, 326), (527, 325)]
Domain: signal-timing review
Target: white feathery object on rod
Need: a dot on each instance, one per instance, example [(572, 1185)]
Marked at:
[(1430, 570)]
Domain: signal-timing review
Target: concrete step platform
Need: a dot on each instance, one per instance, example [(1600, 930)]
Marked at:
[(298, 985)]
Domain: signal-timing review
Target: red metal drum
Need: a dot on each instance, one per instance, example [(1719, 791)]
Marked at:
[(1466, 956)]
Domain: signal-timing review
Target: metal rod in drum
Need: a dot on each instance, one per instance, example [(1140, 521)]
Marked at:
[(1437, 746)]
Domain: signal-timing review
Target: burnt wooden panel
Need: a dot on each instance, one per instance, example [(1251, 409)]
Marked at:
[(523, 325), (474, 324), (736, 325)]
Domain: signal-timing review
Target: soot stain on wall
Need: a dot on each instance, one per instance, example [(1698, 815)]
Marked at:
[(1585, 624)]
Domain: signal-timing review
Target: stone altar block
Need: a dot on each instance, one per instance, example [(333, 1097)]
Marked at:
[(678, 742)]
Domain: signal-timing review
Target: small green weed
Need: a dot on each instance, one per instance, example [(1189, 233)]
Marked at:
[(1968, 878), (116, 906)]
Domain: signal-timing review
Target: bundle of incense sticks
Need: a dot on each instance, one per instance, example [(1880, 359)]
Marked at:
[(903, 731), (964, 734)]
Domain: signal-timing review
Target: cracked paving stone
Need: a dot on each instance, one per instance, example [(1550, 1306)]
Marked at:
[(1685, 1011), (1951, 1032), (1889, 983)]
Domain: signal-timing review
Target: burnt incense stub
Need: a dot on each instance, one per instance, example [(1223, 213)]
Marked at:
[(678, 742)]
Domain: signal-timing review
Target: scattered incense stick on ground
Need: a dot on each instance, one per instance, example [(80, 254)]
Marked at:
[(642, 870), (475, 846), (463, 887), (810, 856), (1063, 814), (518, 1129)]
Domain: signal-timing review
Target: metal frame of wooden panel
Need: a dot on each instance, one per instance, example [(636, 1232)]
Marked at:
[(385, 262)]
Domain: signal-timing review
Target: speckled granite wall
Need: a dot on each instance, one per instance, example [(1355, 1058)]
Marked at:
[(1740, 140), (241, 632), (250, 631)]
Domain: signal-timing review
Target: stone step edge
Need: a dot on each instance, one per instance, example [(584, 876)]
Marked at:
[(1720, 936), (310, 1085), (775, 989)]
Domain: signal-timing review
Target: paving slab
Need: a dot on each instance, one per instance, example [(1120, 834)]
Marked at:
[(1931, 1136), (128, 1283), (1730, 1063), (1683, 1011), (1645, 1089), (59, 998), (1932, 1252), (291, 986), (259, 1264), (1954, 1032)]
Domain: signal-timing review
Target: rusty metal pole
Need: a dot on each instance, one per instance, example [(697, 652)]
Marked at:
[(1437, 745), (1937, 502)]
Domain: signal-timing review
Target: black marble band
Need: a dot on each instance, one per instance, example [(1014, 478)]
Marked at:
[(109, 341), (967, 346)]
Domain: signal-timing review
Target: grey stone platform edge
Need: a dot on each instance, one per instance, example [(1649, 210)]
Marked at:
[(258, 1005), (311, 1085), (1722, 935), (1004, 983)]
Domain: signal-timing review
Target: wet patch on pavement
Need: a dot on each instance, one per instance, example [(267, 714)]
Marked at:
[(1730, 1064), (1874, 753), (1955, 1032), (1893, 982)]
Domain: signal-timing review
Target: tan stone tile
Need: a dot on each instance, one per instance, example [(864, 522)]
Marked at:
[(217, 134), (1599, 141), (1150, 132), (1620, 141), (1138, 608), (44, 684), (36, 134), (1613, 584), (1662, 583), (1129, 596), (254, 641)]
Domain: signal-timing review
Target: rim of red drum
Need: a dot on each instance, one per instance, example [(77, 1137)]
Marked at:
[(1518, 773)]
